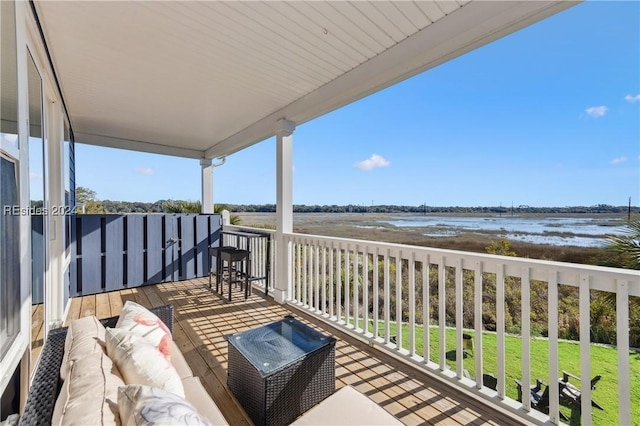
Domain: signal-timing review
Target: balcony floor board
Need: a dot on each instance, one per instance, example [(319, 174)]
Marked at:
[(203, 319)]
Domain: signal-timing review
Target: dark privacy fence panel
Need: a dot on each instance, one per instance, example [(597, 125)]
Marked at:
[(112, 252)]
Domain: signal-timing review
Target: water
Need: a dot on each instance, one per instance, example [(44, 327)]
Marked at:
[(564, 231)]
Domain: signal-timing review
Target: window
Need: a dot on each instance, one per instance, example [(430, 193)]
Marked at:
[(9, 222), (9, 255)]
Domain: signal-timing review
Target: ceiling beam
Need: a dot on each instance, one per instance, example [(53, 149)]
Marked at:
[(133, 145)]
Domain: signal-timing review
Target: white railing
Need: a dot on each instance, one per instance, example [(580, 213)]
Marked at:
[(372, 288)]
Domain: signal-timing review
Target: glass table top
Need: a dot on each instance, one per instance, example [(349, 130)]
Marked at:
[(273, 346)]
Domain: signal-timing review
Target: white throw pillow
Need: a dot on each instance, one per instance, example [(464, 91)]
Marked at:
[(140, 362), (144, 405), (140, 320)]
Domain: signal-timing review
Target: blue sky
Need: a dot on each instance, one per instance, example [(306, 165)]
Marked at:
[(548, 116)]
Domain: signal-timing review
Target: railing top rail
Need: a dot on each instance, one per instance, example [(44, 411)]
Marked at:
[(603, 278), (248, 229)]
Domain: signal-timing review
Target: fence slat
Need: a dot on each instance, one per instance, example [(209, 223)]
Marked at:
[(114, 256), (171, 252), (154, 249), (135, 250), (91, 245), (202, 246), (187, 246)]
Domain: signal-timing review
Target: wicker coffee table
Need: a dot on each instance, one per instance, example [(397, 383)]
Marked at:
[(280, 370)]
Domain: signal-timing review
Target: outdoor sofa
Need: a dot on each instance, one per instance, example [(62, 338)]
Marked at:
[(47, 383)]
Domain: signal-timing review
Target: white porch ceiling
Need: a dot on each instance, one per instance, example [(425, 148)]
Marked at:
[(206, 79)]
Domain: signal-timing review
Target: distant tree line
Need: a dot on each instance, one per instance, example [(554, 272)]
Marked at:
[(89, 199)]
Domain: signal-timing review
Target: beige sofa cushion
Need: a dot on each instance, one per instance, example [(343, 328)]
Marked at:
[(142, 405), (89, 394), (347, 407), (179, 363), (84, 336), (198, 396)]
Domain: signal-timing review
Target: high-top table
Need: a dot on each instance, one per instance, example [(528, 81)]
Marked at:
[(238, 268), (243, 240), (280, 370)]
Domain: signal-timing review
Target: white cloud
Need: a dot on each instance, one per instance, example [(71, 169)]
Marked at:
[(618, 160), (147, 171), (596, 111), (631, 98), (373, 162)]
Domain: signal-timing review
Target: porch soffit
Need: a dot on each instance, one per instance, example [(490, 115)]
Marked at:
[(206, 79)]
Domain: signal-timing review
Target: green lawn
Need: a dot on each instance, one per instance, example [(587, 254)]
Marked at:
[(604, 361)]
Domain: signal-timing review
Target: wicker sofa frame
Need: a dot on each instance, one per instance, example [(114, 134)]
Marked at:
[(46, 383)]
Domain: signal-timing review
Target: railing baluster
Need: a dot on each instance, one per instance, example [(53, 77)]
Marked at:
[(316, 298), (477, 310), (386, 297), (347, 285), (324, 278), (442, 318), (299, 274), (554, 396), (331, 281), (585, 349), (426, 335), (376, 295), (365, 288), (356, 281), (459, 318), (500, 283), (624, 373), (526, 336), (412, 304), (305, 273), (339, 283), (399, 300)]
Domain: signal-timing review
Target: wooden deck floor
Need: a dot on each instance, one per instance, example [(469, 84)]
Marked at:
[(203, 318)]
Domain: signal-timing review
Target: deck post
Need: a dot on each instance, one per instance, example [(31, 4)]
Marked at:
[(284, 208), (206, 185)]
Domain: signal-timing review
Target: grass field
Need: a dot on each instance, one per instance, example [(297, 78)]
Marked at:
[(604, 362)]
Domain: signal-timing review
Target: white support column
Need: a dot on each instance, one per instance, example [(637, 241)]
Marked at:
[(284, 208), (206, 185)]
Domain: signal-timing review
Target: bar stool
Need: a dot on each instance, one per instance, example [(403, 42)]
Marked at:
[(215, 252), (238, 265)]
